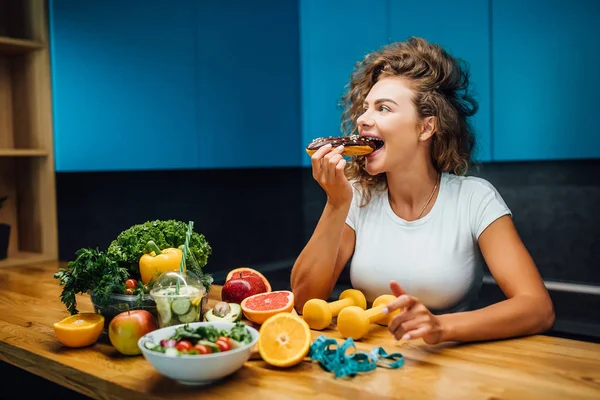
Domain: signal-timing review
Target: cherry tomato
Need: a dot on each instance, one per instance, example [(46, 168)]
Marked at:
[(224, 343), (183, 346), (131, 283), (202, 349)]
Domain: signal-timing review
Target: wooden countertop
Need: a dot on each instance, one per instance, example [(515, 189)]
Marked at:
[(525, 368)]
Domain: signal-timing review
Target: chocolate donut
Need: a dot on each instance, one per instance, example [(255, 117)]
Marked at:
[(354, 145)]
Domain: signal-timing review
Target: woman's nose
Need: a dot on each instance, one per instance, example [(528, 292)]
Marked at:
[(364, 119)]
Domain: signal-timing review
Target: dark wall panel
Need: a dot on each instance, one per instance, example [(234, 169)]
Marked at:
[(249, 216)]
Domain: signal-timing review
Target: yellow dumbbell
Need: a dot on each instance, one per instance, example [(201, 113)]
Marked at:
[(318, 313), (355, 322)]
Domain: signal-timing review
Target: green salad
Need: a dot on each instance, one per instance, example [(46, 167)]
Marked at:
[(202, 340)]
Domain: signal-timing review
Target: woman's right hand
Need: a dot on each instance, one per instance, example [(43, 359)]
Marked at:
[(328, 170)]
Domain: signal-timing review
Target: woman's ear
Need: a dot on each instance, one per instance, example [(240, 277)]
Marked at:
[(428, 128)]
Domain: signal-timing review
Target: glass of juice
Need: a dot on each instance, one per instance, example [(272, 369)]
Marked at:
[(179, 298)]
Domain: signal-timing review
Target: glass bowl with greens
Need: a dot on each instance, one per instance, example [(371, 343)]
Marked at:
[(118, 303)]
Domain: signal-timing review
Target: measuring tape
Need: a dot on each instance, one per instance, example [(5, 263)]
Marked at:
[(332, 357)]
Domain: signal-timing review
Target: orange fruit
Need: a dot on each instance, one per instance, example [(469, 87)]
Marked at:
[(244, 272), (79, 330), (284, 340), (259, 307)]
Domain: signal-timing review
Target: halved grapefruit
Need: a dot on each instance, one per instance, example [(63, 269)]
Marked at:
[(244, 271), (260, 307)]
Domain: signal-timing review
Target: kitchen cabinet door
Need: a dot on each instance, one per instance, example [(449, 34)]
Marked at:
[(545, 78), (123, 90), (334, 35), (462, 28), (248, 84)]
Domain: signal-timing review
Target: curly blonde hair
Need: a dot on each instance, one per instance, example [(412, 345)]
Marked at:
[(441, 86)]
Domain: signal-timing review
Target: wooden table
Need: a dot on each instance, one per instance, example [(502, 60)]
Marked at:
[(526, 368)]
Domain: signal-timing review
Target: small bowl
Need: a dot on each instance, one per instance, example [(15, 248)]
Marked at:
[(198, 369), (122, 302)]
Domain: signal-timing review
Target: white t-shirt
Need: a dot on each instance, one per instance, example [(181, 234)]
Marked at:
[(436, 258)]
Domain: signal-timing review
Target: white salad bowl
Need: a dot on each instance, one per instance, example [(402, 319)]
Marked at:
[(197, 369)]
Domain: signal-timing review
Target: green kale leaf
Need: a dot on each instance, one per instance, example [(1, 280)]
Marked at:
[(131, 244)]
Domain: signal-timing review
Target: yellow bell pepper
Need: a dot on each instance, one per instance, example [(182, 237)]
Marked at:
[(158, 261)]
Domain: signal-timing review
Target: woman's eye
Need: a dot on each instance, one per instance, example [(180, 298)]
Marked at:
[(384, 108)]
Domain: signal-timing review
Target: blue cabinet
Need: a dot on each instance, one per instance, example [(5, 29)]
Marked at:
[(462, 28), (141, 84), (334, 35), (545, 79), (248, 83), (122, 77)]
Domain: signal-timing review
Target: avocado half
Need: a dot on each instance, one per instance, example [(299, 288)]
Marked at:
[(234, 315)]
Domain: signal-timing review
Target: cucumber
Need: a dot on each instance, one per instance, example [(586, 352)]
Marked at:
[(172, 351), (150, 345), (164, 310), (192, 316), (181, 306)]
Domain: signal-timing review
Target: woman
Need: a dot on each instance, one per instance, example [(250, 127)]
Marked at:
[(413, 224)]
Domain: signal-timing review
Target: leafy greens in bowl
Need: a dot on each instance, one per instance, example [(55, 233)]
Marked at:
[(191, 367)]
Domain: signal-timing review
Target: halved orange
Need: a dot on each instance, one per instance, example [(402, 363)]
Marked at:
[(79, 330), (284, 340)]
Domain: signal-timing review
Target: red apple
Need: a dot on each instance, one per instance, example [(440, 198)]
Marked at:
[(237, 289), (128, 327)]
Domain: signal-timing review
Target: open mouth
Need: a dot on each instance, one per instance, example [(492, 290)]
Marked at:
[(376, 141)]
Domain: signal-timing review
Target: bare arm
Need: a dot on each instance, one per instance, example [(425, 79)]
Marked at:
[(528, 308), (322, 260)]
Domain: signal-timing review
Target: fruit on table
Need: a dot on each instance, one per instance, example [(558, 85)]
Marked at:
[(222, 311), (318, 313), (284, 340), (159, 261), (238, 288), (260, 307), (79, 330), (355, 322), (245, 272), (127, 328)]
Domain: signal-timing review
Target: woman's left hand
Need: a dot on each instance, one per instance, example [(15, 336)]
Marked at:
[(415, 320)]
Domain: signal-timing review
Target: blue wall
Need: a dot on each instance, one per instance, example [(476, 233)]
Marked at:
[(140, 84)]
